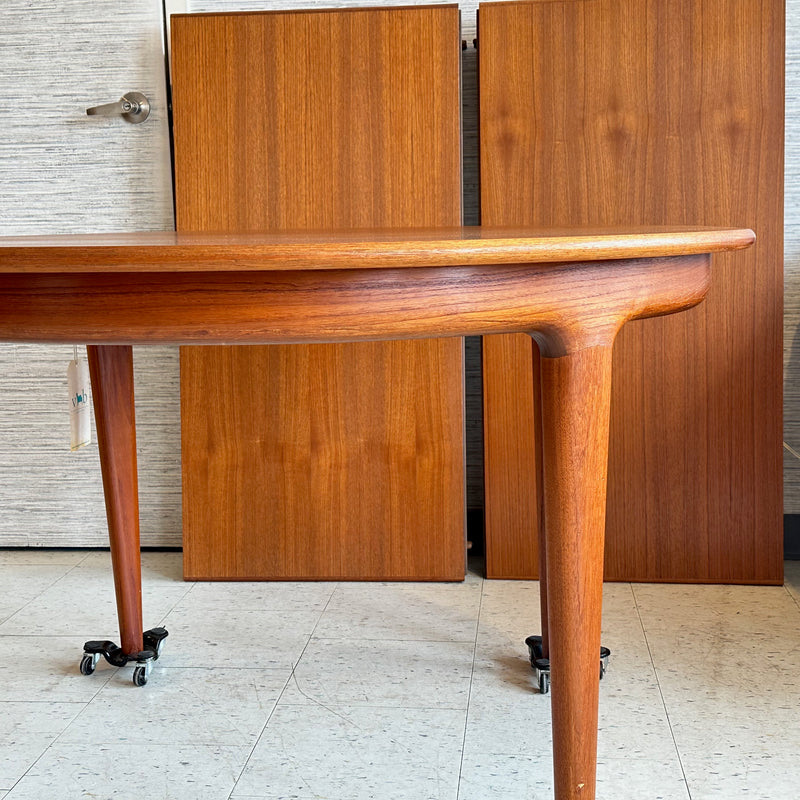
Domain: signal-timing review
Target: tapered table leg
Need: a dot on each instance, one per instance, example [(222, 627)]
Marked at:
[(575, 412), (111, 370)]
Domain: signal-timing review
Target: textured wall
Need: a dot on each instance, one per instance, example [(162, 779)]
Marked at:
[(61, 171)]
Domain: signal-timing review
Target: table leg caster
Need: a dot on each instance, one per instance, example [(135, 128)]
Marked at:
[(154, 640), (541, 665), (153, 645), (89, 662), (141, 672)]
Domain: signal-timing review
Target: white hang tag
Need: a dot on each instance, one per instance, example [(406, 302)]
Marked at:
[(80, 428)]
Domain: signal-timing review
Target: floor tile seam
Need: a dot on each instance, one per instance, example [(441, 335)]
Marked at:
[(661, 691), (469, 692), (320, 615), (106, 682), (451, 603), (46, 702), (191, 588), (39, 594), (223, 668), (792, 595), (394, 640), (258, 738), (163, 620), (232, 605), (34, 562), (139, 745), (127, 745), (37, 635), (71, 570), (289, 678), (246, 742), (103, 680), (295, 662), (409, 585), (548, 757), (332, 706), (288, 666), (342, 710), (42, 754)]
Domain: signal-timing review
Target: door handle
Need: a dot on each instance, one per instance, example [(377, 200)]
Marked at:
[(132, 107)]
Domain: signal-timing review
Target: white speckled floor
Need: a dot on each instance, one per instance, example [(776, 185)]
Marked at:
[(387, 691)]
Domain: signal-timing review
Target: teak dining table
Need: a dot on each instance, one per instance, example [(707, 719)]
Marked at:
[(571, 290)]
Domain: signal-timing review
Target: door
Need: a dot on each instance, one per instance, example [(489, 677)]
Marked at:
[(62, 171)]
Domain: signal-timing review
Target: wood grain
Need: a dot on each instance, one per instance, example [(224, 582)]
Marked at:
[(354, 249), (323, 119), (576, 397), (111, 372), (649, 113), (212, 306)]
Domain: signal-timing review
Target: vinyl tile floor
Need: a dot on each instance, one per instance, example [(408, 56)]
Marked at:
[(349, 691)]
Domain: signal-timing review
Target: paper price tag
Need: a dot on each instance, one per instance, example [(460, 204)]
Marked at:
[(80, 428)]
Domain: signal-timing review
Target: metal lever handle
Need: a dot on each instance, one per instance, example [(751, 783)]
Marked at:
[(132, 107)]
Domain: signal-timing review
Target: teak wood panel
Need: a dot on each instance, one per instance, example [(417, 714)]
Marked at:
[(313, 253), (321, 461), (658, 112)]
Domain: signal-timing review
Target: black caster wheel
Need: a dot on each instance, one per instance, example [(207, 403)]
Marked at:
[(544, 682), (140, 675), (154, 640), (604, 656), (88, 663), (541, 665)]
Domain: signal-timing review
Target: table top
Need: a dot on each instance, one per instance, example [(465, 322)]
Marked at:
[(352, 249)]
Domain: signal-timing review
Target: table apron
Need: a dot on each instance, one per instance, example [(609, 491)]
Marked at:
[(567, 305)]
